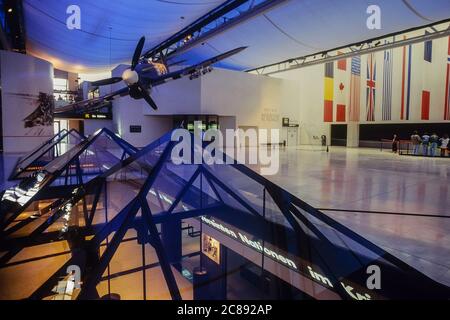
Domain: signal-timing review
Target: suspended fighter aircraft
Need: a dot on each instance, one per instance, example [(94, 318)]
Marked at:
[(141, 77)]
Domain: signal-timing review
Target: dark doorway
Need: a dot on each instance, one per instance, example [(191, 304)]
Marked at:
[(339, 135), (376, 132)]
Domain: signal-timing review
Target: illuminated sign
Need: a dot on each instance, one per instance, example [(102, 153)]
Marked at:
[(95, 116), (251, 243), (211, 248), (284, 260)]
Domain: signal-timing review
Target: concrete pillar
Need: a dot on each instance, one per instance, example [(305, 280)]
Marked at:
[(353, 134), (171, 239), (200, 284)]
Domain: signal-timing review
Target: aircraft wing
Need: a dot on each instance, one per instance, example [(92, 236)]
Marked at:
[(192, 69), (92, 104)]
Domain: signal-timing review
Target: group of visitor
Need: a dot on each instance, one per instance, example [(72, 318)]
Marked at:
[(427, 145)]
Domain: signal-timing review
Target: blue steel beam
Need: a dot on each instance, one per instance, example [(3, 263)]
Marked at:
[(184, 190), (220, 19), (160, 251), (233, 194)]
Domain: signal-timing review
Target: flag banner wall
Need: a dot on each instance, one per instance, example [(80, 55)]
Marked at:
[(341, 89), (406, 82), (427, 79), (371, 77), (425, 115), (447, 85), (389, 86), (342, 64), (388, 67), (340, 112), (428, 49), (328, 92), (355, 89)]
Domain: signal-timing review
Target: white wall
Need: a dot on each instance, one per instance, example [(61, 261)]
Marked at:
[(255, 100), (91, 126), (238, 98), (309, 82), (22, 78), (128, 112)]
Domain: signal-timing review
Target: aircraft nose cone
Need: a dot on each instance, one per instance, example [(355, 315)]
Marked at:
[(130, 77)]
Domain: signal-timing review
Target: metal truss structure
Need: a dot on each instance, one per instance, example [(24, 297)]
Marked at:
[(45, 153), (427, 33), (161, 192), (61, 176), (225, 16)]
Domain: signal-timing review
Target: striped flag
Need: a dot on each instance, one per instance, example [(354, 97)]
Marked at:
[(370, 87), (406, 82), (355, 89), (386, 104), (340, 92), (427, 78), (428, 49), (328, 92), (447, 86), (425, 114)]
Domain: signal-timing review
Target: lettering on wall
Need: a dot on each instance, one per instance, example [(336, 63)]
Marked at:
[(270, 115), (251, 243), (282, 259)]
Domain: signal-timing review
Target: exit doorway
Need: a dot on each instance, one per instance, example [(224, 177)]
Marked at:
[(68, 124)]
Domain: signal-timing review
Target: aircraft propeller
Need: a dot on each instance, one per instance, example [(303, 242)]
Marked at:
[(131, 78)]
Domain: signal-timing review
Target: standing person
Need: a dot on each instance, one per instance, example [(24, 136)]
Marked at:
[(395, 143), (415, 141), (425, 143), (434, 139), (445, 144)]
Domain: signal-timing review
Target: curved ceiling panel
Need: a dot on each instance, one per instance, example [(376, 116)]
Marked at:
[(105, 25), (304, 27), (295, 28)]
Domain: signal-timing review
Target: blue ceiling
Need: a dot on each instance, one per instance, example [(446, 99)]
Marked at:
[(294, 28), (89, 48)]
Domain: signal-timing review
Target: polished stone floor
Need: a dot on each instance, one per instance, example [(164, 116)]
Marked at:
[(401, 203)]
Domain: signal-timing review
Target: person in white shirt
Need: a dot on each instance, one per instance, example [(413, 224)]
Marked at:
[(415, 141), (425, 143), (434, 139), (444, 145)]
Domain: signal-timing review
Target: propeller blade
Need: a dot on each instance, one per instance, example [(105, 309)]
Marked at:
[(106, 82), (137, 53), (147, 97)]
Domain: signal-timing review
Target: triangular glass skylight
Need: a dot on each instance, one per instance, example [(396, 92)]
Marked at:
[(35, 160)]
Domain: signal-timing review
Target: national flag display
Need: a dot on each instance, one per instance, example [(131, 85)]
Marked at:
[(428, 49), (425, 115), (355, 89), (370, 87), (341, 90), (328, 92), (406, 83), (447, 86), (386, 103)]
